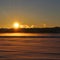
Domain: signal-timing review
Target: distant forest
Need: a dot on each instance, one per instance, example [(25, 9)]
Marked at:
[(31, 30)]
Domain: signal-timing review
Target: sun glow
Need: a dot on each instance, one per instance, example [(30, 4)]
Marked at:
[(16, 25)]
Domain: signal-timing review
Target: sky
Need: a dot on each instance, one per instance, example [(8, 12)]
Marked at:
[(30, 12)]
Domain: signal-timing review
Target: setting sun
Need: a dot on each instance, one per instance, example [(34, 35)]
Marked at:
[(16, 25)]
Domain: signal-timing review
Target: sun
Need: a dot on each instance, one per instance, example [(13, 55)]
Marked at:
[(16, 25)]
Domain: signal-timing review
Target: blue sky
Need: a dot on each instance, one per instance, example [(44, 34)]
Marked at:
[(30, 12)]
